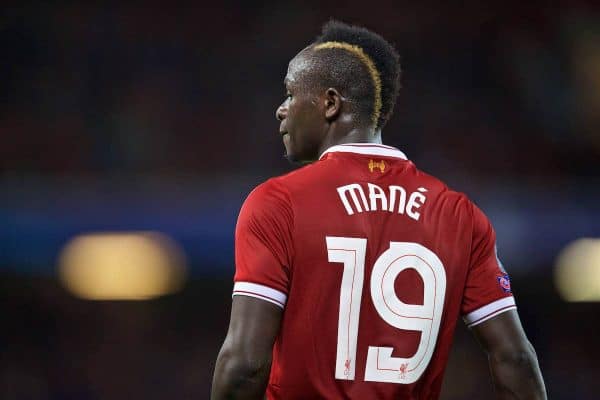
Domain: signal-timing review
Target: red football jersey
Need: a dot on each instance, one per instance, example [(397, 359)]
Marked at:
[(373, 261)]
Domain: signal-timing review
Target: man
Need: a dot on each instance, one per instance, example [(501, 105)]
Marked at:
[(351, 272)]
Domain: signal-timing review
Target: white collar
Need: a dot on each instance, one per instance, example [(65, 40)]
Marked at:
[(374, 149)]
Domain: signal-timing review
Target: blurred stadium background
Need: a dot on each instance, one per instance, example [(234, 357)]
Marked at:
[(131, 135)]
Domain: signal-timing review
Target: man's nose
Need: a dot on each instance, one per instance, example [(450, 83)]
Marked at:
[(281, 113)]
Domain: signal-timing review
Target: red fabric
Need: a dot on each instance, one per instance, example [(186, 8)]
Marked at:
[(482, 286), (280, 243)]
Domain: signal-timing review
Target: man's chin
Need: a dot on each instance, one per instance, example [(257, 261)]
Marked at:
[(299, 157), (292, 159), (295, 160)]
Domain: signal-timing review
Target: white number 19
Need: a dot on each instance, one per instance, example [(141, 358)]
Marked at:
[(381, 366)]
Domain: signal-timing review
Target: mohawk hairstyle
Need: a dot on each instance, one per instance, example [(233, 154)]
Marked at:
[(372, 78)]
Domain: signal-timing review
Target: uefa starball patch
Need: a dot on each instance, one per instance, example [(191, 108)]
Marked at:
[(504, 282)]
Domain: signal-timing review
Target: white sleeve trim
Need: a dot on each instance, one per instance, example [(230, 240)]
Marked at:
[(489, 311), (260, 292)]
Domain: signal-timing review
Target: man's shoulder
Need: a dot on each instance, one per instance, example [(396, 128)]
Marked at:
[(297, 178), (268, 191), (277, 184), (302, 172), (436, 185)]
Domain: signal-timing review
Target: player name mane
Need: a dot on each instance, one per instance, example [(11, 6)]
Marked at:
[(394, 199)]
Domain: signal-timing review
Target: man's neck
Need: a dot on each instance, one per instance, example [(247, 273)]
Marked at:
[(353, 136)]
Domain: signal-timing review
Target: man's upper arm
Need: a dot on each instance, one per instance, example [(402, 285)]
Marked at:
[(263, 245), (513, 362), (263, 253), (489, 309), (244, 362), (487, 291), (253, 328), (503, 333)]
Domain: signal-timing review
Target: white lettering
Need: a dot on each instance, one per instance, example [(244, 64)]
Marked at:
[(377, 193), (401, 203), (416, 200), (387, 199), (353, 188)]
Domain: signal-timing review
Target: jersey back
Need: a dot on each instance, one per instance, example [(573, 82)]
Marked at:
[(373, 262)]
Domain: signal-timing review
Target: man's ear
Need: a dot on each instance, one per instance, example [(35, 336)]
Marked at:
[(333, 104)]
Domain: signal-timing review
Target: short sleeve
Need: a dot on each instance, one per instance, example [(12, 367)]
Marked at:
[(263, 245), (487, 290)]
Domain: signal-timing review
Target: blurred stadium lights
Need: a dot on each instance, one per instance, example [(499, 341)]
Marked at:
[(577, 272), (122, 266)]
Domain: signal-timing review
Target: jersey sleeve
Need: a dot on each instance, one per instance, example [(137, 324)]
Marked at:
[(487, 290), (263, 245)]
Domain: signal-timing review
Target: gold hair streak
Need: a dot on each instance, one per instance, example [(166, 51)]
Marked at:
[(357, 51)]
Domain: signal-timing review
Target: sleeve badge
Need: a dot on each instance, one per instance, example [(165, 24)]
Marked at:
[(504, 282)]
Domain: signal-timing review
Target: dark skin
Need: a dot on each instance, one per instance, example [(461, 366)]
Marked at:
[(511, 357), (312, 120), (244, 362)]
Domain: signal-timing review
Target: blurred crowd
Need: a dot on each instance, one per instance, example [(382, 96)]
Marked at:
[(490, 88)]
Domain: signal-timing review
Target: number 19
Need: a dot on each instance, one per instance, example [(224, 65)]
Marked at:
[(381, 366)]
